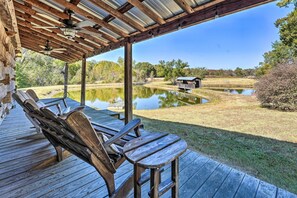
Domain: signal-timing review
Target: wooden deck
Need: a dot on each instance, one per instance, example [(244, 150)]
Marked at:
[(199, 176)]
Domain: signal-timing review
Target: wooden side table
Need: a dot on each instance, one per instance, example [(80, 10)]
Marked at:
[(152, 152)]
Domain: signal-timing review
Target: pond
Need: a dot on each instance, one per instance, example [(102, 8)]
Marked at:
[(143, 98), (246, 92)]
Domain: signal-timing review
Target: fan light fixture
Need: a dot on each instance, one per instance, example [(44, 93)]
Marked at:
[(47, 52), (217, 14), (69, 32)]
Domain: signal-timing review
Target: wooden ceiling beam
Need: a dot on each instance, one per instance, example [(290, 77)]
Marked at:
[(39, 41), (75, 2), (150, 13), (27, 45), (93, 39), (57, 31), (47, 9), (118, 15), (62, 16), (51, 34), (37, 49), (185, 6), (122, 9), (63, 40), (34, 13), (89, 46), (91, 17), (54, 42), (104, 35), (24, 8)]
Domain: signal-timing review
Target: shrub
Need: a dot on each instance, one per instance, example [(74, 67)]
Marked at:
[(278, 88)]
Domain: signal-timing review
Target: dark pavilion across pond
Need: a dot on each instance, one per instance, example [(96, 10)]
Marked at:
[(187, 83)]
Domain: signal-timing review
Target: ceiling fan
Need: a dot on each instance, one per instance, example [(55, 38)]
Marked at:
[(47, 49), (70, 29)]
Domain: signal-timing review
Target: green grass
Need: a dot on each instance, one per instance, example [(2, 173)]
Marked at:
[(229, 82), (268, 159)]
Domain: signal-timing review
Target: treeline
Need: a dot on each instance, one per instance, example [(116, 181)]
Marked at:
[(284, 51), (35, 69)]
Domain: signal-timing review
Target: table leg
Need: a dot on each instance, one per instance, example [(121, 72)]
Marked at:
[(175, 177), (155, 177), (137, 187)]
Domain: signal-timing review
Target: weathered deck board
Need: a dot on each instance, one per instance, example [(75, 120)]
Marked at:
[(199, 176)]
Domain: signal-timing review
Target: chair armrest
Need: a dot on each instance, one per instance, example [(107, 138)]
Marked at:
[(51, 104), (79, 108), (58, 99), (132, 125), (55, 104)]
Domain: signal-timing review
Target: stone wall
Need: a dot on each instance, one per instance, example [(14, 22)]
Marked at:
[(7, 72)]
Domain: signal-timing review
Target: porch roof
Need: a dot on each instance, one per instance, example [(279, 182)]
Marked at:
[(114, 22)]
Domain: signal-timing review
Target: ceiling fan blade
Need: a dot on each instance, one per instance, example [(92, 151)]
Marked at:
[(90, 33), (42, 46), (45, 27), (84, 24), (59, 49), (59, 52)]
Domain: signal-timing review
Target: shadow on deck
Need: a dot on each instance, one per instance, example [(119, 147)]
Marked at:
[(199, 176)]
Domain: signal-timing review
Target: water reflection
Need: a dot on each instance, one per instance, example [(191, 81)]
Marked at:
[(143, 98)]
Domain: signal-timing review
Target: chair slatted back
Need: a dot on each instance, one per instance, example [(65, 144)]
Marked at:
[(78, 122), (72, 131), (32, 94)]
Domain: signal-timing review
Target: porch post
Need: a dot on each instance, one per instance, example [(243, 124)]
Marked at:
[(128, 82), (65, 80), (83, 82)]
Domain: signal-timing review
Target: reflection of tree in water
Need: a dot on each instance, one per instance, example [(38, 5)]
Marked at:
[(110, 95), (169, 99), (239, 91), (104, 94), (188, 98), (145, 92), (177, 99)]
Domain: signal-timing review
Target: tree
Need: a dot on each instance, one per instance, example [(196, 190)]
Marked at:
[(108, 71), (160, 69), (121, 61), (35, 69), (288, 26), (277, 89), (146, 67), (174, 69), (197, 72), (285, 50), (239, 72), (263, 69), (21, 77)]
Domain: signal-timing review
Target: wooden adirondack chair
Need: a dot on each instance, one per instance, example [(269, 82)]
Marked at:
[(20, 97), (75, 133), (34, 96)]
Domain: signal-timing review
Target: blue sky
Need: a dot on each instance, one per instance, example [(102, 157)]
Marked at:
[(237, 40)]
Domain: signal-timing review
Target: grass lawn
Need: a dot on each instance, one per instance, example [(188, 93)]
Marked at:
[(233, 129), (228, 82)]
